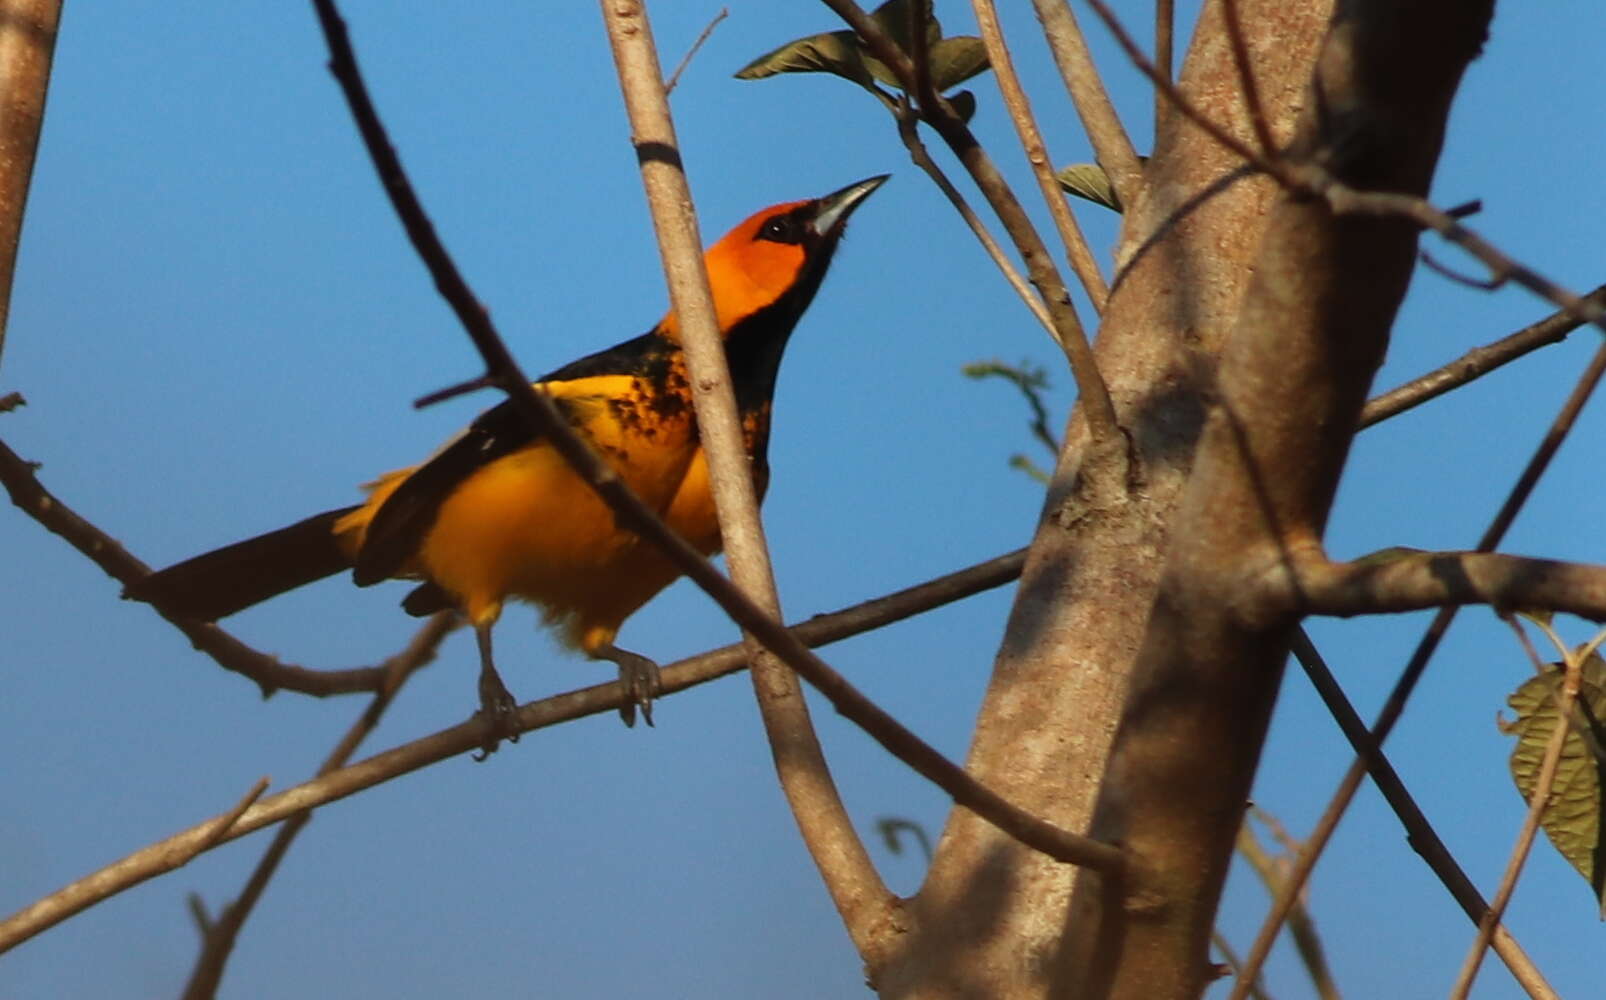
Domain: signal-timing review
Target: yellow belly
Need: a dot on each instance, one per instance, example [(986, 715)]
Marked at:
[(525, 526)]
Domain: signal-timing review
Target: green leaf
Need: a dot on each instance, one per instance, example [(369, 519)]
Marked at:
[(1572, 817), (835, 52), (1088, 180), (952, 60), (955, 60)]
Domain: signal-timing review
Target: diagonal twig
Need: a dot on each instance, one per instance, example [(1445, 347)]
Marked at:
[(1300, 924), (805, 777), (1394, 706), (1165, 33), (906, 118), (18, 477), (685, 60), (1490, 923), (597, 700), (1246, 78), (1474, 364), (219, 934), (1112, 147), (1078, 254), (1314, 179), (1108, 454), (1421, 835)]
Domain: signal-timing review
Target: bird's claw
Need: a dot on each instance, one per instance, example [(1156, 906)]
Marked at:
[(498, 714), (639, 678)]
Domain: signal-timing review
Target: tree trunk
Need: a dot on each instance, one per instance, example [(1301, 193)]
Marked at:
[(992, 917)]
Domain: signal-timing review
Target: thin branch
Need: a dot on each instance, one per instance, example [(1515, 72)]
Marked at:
[(220, 828), (1246, 78), (1394, 706), (919, 51), (596, 700), (18, 477), (1300, 924), (218, 935), (1109, 448), (1165, 31), (844, 863), (1525, 838), (637, 517), (1078, 254), (1474, 364), (27, 44), (906, 118), (1234, 963), (1313, 179), (674, 78), (1420, 580), (1420, 834), (1172, 99), (1112, 147)]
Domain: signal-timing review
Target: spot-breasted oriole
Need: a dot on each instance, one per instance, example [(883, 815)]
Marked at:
[(496, 513)]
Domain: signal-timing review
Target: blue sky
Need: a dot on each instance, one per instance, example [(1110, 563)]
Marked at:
[(219, 328)]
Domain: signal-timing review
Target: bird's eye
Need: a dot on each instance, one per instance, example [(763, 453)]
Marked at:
[(781, 229)]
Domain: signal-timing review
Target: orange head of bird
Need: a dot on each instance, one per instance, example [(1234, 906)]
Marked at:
[(764, 273)]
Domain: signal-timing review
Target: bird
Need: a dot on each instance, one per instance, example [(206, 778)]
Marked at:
[(496, 514)]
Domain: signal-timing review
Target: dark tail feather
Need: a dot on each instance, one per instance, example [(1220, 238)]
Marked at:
[(216, 584)]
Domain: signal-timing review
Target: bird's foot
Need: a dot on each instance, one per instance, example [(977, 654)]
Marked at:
[(639, 677), (497, 712)]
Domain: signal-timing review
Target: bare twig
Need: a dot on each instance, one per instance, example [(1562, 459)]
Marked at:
[(919, 50), (1314, 179), (17, 475), (674, 78), (221, 826), (27, 43), (1165, 31), (1108, 442), (218, 935), (822, 818), (597, 700), (1414, 668), (1525, 838), (918, 153), (1300, 924), (1420, 834), (1246, 78), (1476, 363), (1078, 254), (198, 913), (1112, 147), (637, 517), (1234, 964), (1419, 580)]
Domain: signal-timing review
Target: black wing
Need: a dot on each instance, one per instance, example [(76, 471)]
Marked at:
[(404, 519)]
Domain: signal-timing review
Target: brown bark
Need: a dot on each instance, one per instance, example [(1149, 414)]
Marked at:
[(990, 917), (1310, 333), (27, 43)]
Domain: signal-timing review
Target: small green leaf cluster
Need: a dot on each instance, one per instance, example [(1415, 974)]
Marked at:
[(950, 61)]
